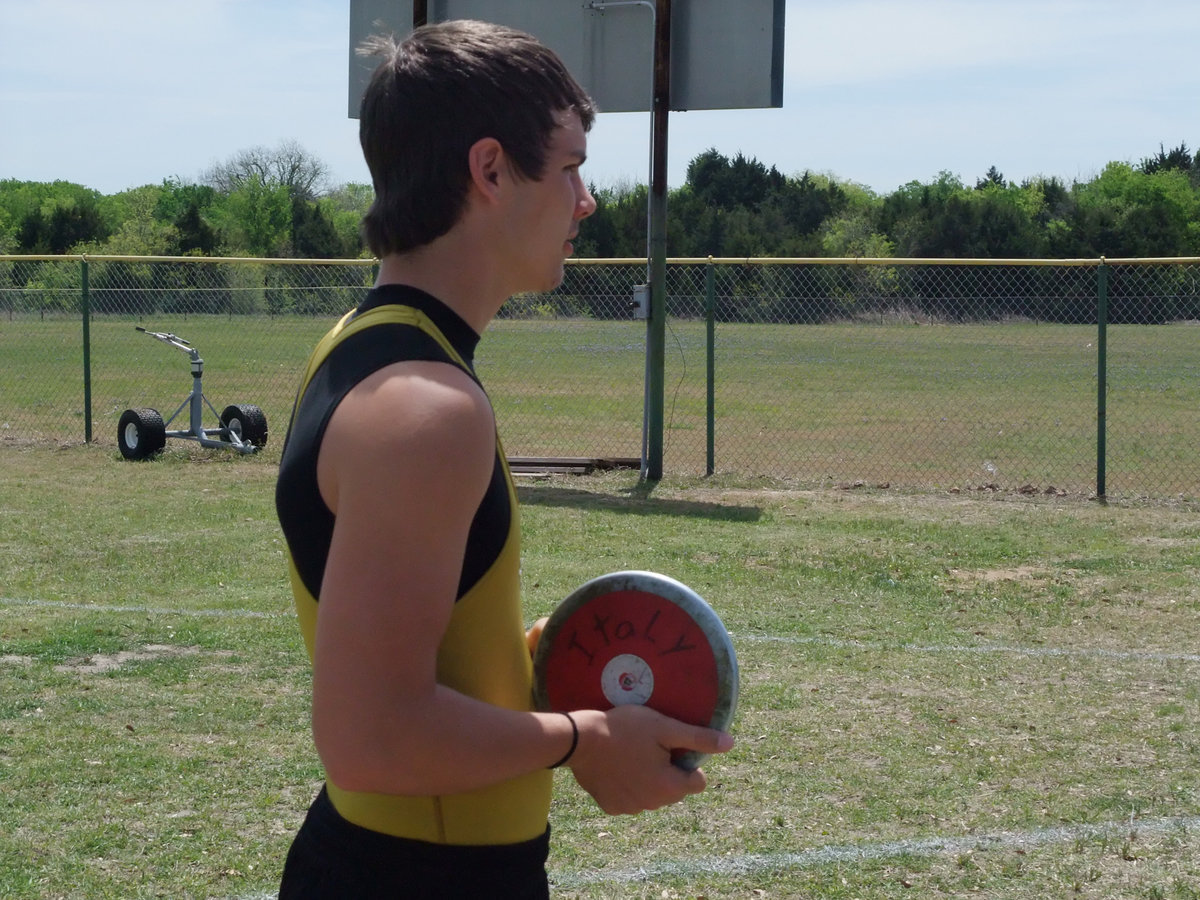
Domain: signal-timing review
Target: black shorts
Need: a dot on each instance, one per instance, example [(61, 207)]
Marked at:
[(333, 858)]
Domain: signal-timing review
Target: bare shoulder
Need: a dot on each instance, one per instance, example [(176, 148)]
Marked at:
[(425, 421)]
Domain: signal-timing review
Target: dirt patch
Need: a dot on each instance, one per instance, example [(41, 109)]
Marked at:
[(107, 662), (991, 576), (1162, 542)]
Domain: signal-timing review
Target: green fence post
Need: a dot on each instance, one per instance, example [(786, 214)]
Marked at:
[(711, 408), (1101, 376), (86, 304)]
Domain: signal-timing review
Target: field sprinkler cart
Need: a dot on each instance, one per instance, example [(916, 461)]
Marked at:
[(142, 433)]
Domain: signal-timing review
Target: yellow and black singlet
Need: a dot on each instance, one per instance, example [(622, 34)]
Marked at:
[(483, 653)]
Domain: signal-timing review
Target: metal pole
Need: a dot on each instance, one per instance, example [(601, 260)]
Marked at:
[(1101, 377), (710, 302), (196, 411), (86, 304), (420, 13), (656, 340)]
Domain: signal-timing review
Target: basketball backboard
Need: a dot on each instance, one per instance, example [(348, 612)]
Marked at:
[(724, 55)]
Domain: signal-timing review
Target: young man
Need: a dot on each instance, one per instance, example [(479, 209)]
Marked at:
[(401, 517)]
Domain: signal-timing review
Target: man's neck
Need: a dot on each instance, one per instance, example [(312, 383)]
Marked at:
[(465, 283)]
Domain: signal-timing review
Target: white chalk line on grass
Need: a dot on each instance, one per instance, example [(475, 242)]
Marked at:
[(1095, 652), (750, 864), (1092, 652), (758, 863)]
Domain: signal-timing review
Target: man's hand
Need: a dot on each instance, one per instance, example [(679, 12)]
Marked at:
[(624, 758), (534, 634)]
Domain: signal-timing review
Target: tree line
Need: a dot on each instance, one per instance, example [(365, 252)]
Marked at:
[(278, 202), (262, 202), (740, 207)]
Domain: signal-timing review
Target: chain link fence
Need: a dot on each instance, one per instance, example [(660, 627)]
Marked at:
[(949, 375), (1066, 376)]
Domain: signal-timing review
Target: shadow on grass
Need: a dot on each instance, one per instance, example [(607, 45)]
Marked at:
[(636, 501)]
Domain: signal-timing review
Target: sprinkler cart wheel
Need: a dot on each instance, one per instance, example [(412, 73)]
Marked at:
[(141, 433), (248, 422)]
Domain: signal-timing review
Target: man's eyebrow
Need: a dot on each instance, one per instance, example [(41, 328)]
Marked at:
[(579, 155)]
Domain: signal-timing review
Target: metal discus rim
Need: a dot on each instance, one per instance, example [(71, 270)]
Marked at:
[(665, 588)]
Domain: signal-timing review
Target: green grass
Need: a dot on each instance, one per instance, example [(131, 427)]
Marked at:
[(942, 695), (931, 406)]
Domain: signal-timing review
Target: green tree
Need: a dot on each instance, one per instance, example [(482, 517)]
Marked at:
[(33, 233), (30, 215), (345, 207), (908, 215), (598, 232), (946, 220), (67, 225), (139, 232), (729, 183), (193, 234), (993, 178), (808, 201), (17, 200), (188, 207), (1126, 212), (1177, 159), (255, 218), (855, 229), (176, 196), (623, 222), (313, 235)]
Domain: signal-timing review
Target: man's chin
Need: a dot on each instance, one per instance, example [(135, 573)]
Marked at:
[(555, 280), (545, 281)]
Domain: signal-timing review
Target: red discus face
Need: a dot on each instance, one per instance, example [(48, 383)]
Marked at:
[(638, 637), (632, 646)]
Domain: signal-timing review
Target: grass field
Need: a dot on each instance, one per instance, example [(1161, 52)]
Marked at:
[(942, 695), (931, 406)]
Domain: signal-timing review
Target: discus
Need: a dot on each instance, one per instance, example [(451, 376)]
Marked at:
[(638, 637)]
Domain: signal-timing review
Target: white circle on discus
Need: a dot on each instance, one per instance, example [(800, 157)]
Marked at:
[(627, 679)]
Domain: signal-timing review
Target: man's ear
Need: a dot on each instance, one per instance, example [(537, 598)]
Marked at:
[(488, 164)]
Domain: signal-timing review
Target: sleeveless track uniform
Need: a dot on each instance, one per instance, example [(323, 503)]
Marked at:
[(497, 837)]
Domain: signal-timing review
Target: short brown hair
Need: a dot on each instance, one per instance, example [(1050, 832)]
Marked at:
[(435, 94)]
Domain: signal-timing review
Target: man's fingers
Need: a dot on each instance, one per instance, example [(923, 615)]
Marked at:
[(703, 740), (534, 634)]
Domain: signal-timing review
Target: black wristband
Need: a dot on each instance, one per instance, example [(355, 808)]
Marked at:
[(574, 742)]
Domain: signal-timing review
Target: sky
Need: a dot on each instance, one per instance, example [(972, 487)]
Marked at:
[(114, 94)]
